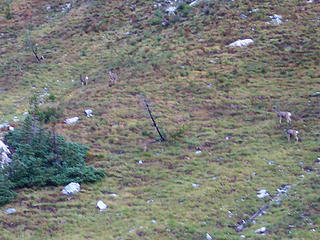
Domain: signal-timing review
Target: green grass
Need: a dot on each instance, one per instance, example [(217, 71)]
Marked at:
[(197, 102)]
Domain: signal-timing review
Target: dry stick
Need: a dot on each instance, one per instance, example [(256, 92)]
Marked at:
[(154, 122), (241, 226)]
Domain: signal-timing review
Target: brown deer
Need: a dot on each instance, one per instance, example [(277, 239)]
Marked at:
[(291, 133), (113, 78), (286, 115), (84, 81)]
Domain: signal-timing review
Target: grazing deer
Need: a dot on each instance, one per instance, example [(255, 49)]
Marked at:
[(286, 115), (84, 81), (113, 78), (291, 133)]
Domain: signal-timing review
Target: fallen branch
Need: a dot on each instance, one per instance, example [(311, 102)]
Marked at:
[(244, 223)]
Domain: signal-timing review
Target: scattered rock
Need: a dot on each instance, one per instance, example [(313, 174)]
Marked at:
[(196, 2), (101, 205), (315, 94), (71, 120), (284, 189), (243, 16), (25, 113), (150, 201), (254, 10), (16, 119), (208, 236), (10, 211), (88, 112), (153, 221), (271, 163), (171, 10), (198, 152), (241, 43), (275, 19), (4, 125), (214, 178), (71, 189), (195, 185), (261, 230), (262, 193)]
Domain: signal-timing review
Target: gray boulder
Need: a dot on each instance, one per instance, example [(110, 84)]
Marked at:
[(10, 211), (71, 120), (71, 188)]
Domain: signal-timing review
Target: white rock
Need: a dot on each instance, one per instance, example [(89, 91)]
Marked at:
[(16, 119), (198, 152), (241, 43), (262, 193), (150, 201), (208, 236), (10, 210), (71, 188), (195, 3), (88, 112), (171, 10), (4, 125), (261, 230), (275, 19), (113, 195), (101, 205), (283, 189), (4, 147), (195, 185), (254, 10), (71, 120), (4, 151), (11, 128), (25, 113), (154, 221), (140, 162), (242, 236)]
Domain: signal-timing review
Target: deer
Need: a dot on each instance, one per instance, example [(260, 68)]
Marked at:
[(113, 78), (286, 115), (84, 81), (291, 133)]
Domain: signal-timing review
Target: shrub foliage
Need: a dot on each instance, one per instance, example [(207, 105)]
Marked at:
[(41, 158)]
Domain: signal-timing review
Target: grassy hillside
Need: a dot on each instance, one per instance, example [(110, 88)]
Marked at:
[(204, 95)]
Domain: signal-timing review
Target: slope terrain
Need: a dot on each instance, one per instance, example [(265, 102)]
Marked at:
[(213, 103)]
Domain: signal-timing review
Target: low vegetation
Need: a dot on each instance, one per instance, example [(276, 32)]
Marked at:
[(40, 158)]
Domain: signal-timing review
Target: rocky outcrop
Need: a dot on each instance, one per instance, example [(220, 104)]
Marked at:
[(4, 152)]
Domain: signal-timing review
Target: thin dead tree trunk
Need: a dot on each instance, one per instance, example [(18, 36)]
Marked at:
[(35, 53), (244, 223), (152, 118)]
